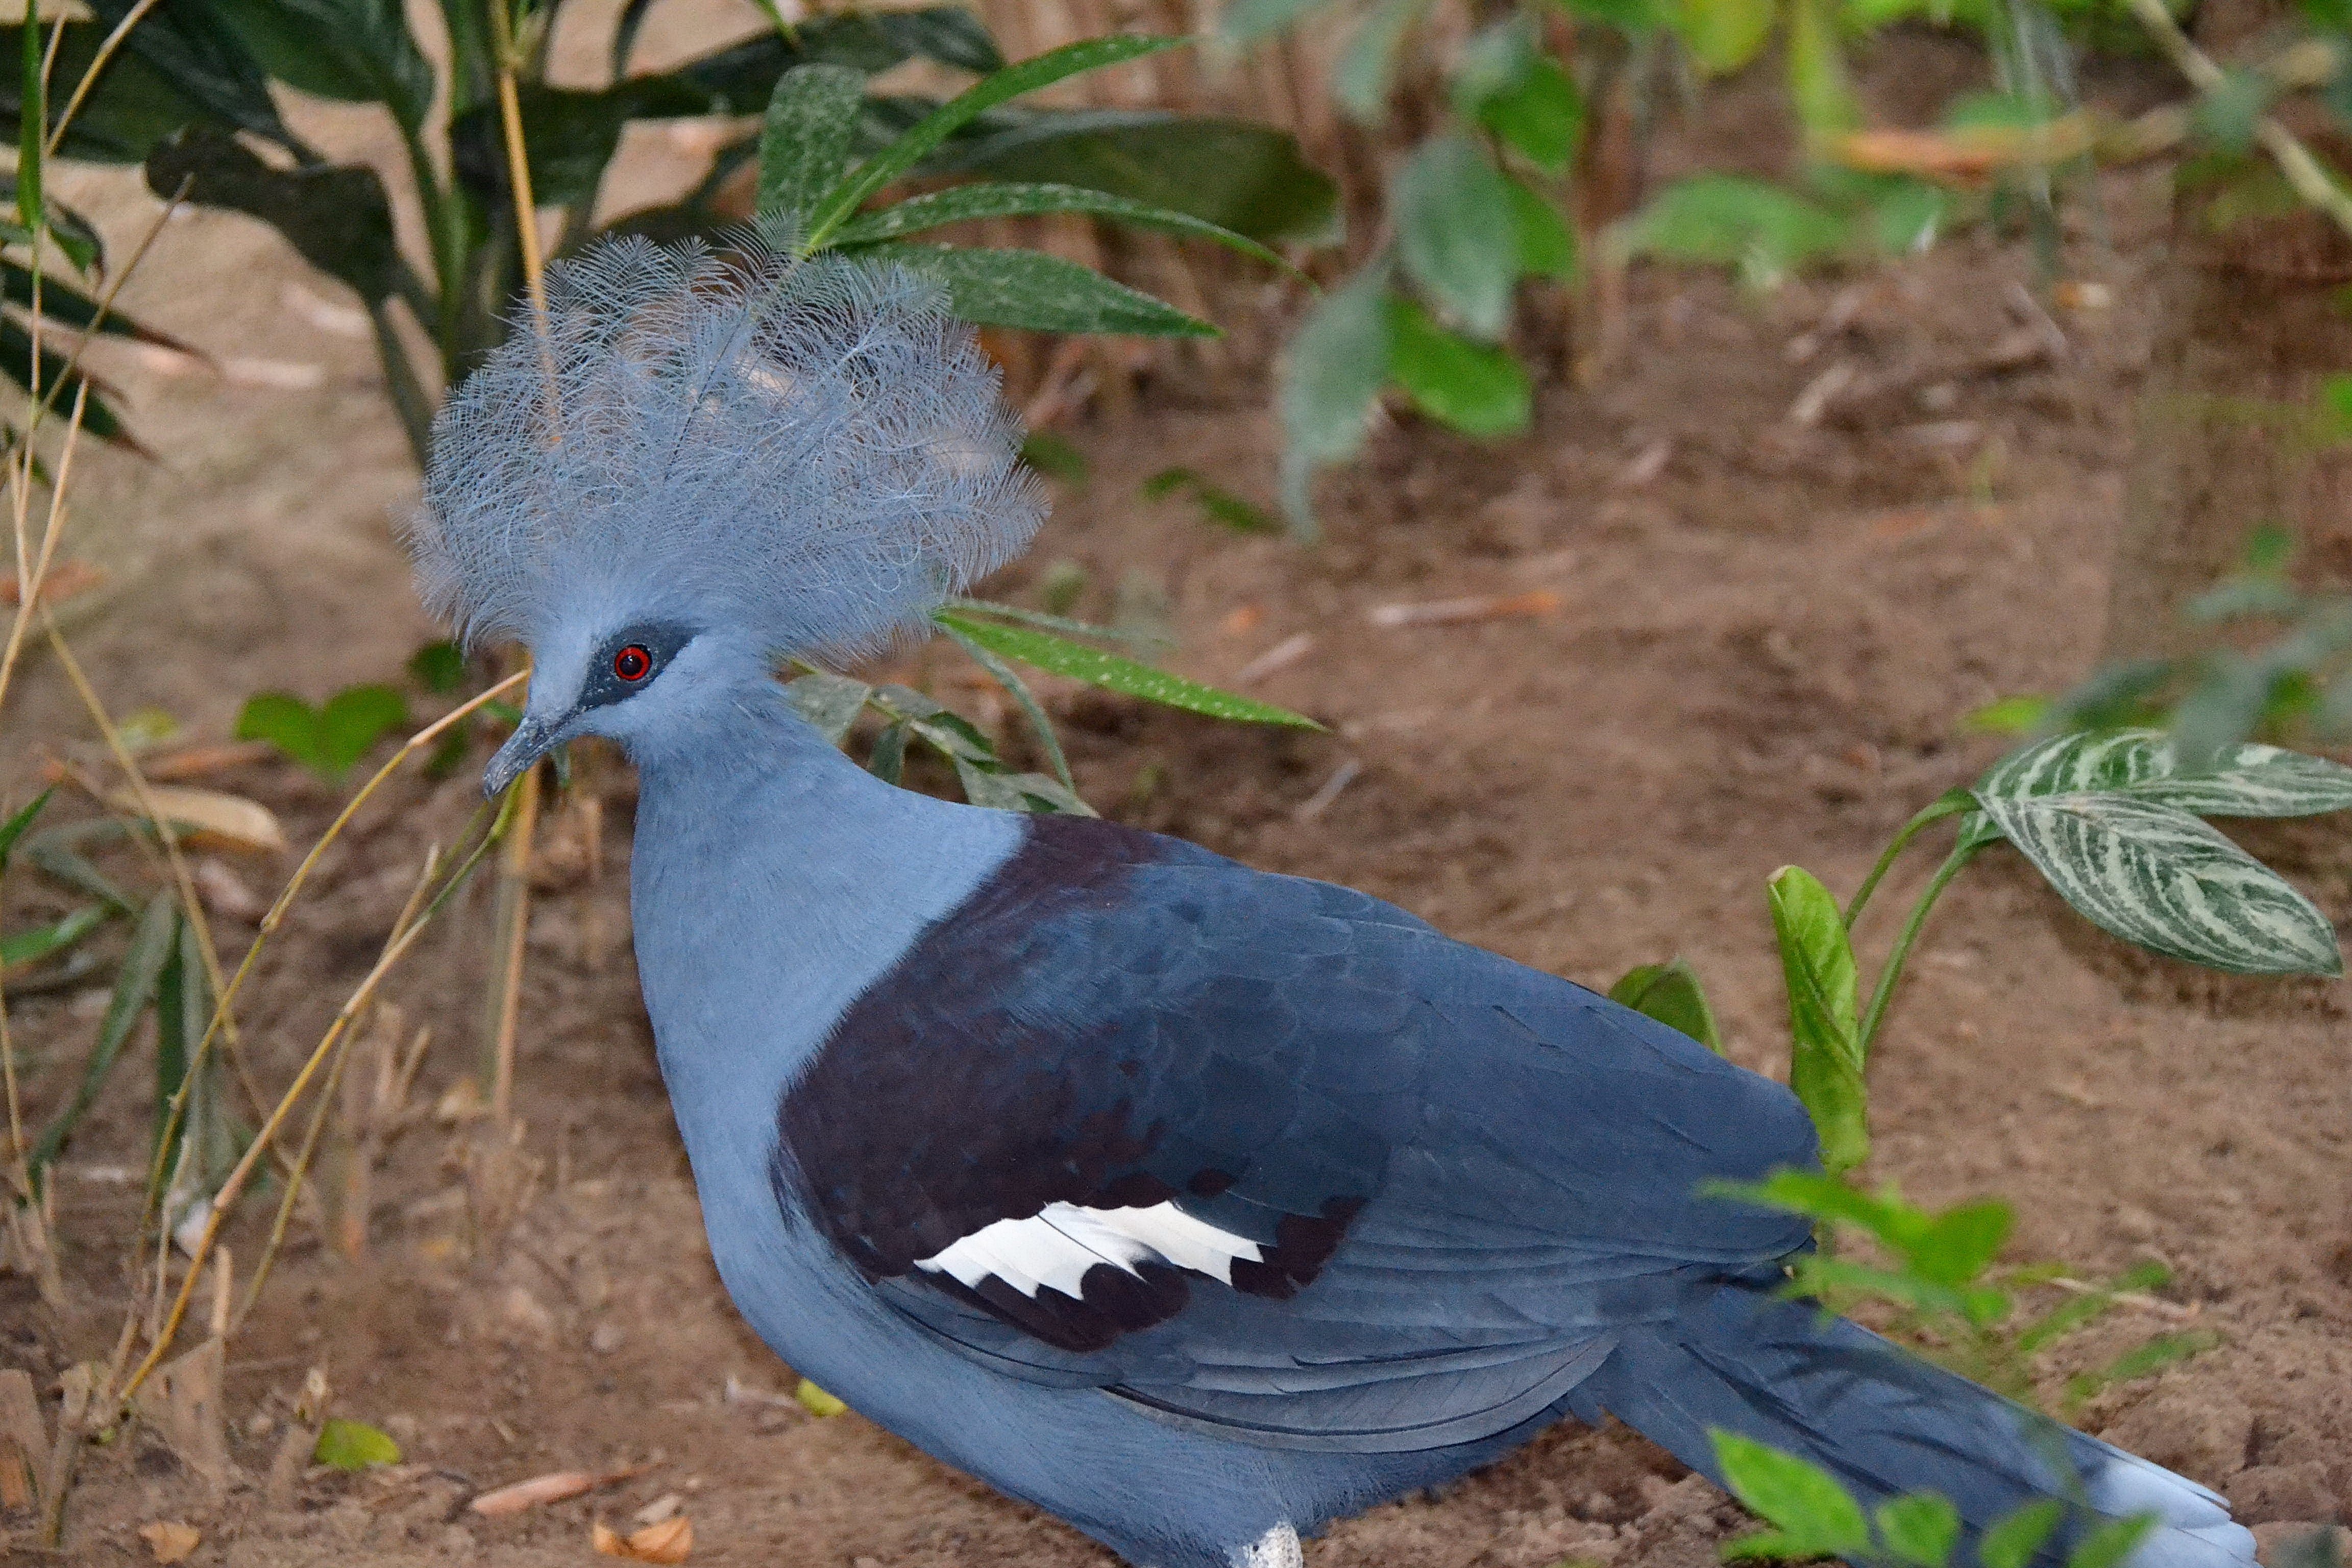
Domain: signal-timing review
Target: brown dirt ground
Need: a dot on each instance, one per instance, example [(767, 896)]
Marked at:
[(1761, 654)]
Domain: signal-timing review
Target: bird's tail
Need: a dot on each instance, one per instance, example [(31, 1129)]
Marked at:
[(1885, 1423)]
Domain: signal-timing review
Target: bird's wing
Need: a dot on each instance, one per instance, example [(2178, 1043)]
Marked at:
[(1268, 1155)]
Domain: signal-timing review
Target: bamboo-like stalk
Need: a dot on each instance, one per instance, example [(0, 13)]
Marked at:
[(511, 925)]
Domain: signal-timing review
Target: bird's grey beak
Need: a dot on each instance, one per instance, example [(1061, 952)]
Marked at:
[(531, 740)]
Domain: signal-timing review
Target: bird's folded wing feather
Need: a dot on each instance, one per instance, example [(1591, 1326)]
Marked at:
[(1267, 1154)]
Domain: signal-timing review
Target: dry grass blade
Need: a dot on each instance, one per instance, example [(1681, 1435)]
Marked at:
[(395, 948)]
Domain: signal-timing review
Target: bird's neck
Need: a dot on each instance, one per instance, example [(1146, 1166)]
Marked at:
[(773, 881)]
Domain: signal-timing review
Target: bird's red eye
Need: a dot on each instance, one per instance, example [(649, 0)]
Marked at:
[(633, 663)]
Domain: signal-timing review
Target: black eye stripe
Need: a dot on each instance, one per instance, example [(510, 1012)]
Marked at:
[(629, 661)]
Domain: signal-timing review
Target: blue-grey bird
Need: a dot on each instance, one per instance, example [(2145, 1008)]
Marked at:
[(1196, 1205)]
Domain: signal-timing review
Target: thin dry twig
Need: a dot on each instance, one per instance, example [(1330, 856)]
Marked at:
[(395, 948)]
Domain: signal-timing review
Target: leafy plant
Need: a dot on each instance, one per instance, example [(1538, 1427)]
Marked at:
[(1476, 207), (188, 95), (328, 739), (1937, 1269), (1811, 1515), (1219, 505), (996, 636), (2114, 823), (2282, 671)]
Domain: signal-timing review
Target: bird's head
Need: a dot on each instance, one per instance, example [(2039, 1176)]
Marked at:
[(694, 468)]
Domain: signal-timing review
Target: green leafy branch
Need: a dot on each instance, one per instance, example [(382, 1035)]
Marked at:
[(998, 637)]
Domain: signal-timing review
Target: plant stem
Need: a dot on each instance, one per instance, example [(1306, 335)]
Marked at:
[(1887, 977), (1950, 804)]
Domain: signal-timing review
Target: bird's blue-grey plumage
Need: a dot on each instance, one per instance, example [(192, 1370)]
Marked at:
[(1197, 1205)]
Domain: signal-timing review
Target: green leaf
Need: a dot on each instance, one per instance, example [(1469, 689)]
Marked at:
[(1479, 389), (32, 121), (1004, 675), (962, 203), (896, 160), (354, 1446), (830, 702), (19, 820), (2015, 1541), (335, 215), (1825, 1067), (1814, 1516), (1818, 82), (805, 139), (1671, 993), (1920, 1529), (2104, 816), (48, 940), (17, 358), (1044, 293), (2018, 715), (1731, 220), (179, 66), (1722, 36), (948, 34), (1003, 790), (356, 51), (1329, 380), (2112, 1543), (1541, 116), (1546, 245), (2159, 878), (1248, 178), (1960, 1243), (1220, 506), (887, 761), (1360, 83), (438, 667), (152, 944), (1114, 673), (327, 740), (1457, 233), (816, 1401)]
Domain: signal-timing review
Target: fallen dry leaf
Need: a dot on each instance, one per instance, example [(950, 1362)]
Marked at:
[(1456, 612), (169, 1539), (63, 580), (553, 1486), (220, 821), (668, 1542)]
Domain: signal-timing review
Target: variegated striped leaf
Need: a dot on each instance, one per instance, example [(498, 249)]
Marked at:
[(2154, 874), (2245, 780)]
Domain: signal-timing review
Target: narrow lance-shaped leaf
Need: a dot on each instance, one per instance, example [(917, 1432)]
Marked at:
[(894, 161), (32, 122), (1004, 675), (805, 139), (152, 944), (830, 702), (963, 203), (1825, 1064), (18, 821), (1115, 673), (1043, 293), (48, 940)]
